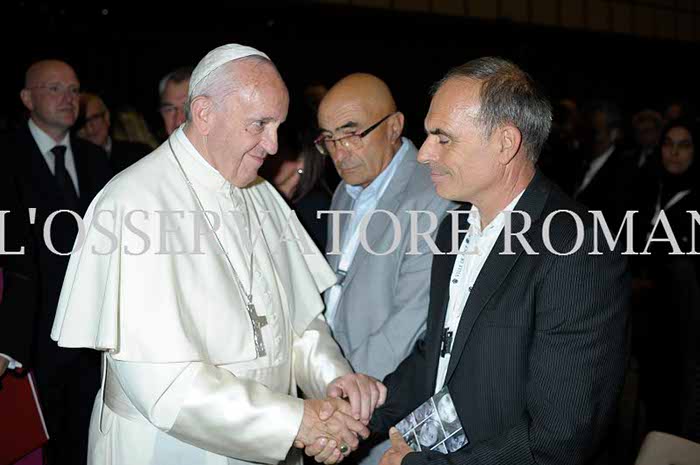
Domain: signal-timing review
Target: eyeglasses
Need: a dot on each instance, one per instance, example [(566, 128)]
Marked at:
[(57, 90), (328, 146), (169, 108), (94, 118)]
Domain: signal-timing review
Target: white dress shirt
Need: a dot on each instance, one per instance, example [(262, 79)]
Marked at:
[(46, 144), (473, 252), (593, 169)]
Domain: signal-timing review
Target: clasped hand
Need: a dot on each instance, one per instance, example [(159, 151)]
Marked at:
[(330, 428)]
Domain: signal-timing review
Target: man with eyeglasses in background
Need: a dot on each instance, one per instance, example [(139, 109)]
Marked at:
[(95, 128), (173, 89), (378, 308), (45, 169)]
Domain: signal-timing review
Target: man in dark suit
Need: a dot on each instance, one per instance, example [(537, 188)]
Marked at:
[(531, 347), (607, 173), (46, 170), (95, 126)]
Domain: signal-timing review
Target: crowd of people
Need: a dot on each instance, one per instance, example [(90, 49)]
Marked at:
[(644, 166), (149, 355)]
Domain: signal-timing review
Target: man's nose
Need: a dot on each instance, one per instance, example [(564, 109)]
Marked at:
[(340, 153), (67, 96), (425, 154), (179, 115), (269, 143)]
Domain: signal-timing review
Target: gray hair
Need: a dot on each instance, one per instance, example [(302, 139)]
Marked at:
[(218, 84), (508, 95), (176, 76)]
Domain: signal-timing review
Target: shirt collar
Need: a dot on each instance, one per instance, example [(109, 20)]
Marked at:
[(600, 161), (497, 223), (45, 141), (377, 186)]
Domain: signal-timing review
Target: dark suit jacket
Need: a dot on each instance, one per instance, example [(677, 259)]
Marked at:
[(538, 359), (34, 279), (124, 154), (611, 188)]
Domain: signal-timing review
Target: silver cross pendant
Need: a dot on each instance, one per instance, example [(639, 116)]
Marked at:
[(258, 323)]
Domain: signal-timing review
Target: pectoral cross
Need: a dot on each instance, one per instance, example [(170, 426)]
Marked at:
[(258, 323)]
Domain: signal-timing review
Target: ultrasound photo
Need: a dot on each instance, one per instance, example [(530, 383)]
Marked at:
[(456, 442), (430, 433), (434, 425)]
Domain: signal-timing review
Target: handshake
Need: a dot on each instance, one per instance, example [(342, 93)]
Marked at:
[(330, 429)]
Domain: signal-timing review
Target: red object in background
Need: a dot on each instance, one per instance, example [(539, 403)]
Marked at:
[(22, 426)]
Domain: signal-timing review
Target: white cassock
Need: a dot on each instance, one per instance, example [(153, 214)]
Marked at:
[(183, 383)]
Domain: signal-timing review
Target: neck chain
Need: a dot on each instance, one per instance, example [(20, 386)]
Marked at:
[(258, 322)]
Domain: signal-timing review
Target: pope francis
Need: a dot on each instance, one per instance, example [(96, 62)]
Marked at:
[(198, 284)]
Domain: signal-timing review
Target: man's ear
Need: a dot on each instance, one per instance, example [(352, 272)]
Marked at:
[(510, 141), (108, 118), (396, 126), (201, 113), (26, 96)]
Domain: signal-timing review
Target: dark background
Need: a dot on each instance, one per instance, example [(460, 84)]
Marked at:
[(122, 48)]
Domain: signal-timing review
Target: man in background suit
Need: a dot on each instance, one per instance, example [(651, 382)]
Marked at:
[(96, 123), (532, 347), (647, 125), (172, 90), (377, 310), (607, 173), (46, 169)]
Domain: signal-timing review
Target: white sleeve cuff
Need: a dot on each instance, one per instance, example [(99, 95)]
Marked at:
[(13, 363)]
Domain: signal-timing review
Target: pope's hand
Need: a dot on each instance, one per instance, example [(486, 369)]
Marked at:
[(364, 393), (399, 449), (4, 363), (338, 429)]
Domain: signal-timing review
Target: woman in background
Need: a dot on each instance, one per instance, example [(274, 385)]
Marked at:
[(667, 316), (297, 173)]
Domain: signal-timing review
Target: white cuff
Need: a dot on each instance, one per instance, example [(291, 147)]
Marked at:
[(13, 363)]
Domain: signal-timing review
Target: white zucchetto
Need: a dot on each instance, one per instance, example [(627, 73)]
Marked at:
[(216, 58)]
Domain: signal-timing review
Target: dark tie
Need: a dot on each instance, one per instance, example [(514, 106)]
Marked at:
[(63, 180)]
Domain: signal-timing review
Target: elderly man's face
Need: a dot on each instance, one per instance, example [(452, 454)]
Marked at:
[(463, 162), (52, 96), (244, 130), (360, 164), (96, 128), (172, 104)]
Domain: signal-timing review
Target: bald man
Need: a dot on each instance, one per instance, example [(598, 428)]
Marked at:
[(46, 169), (378, 310)]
